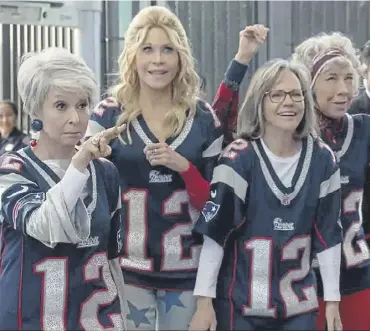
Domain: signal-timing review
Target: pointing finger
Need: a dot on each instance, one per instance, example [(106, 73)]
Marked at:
[(113, 132)]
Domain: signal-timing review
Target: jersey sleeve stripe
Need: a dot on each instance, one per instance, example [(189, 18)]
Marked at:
[(118, 207), (330, 185), (320, 237), (214, 149), (228, 176), (26, 205), (93, 128)]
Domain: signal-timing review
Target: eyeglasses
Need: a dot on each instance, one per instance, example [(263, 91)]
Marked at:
[(278, 96)]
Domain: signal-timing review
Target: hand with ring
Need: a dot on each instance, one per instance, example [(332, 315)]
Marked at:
[(96, 146), (162, 154)]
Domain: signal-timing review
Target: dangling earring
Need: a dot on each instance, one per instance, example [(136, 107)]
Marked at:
[(36, 126)]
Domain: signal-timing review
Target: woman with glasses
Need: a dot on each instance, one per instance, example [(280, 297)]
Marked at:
[(274, 201)]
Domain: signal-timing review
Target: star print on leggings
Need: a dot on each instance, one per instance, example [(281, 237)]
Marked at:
[(138, 316), (172, 299)]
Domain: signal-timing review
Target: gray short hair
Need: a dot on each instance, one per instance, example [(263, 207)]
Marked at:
[(314, 47), (251, 123), (54, 68)]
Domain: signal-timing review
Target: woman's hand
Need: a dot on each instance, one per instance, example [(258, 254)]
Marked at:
[(251, 38), (96, 146), (162, 154), (107, 102), (333, 316), (204, 318)]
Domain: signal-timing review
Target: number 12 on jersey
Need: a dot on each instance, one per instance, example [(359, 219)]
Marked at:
[(355, 250), (260, 282), (136, 234)]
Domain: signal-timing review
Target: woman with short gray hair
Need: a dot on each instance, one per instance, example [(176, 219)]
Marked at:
[(60, 207), (274, 200)]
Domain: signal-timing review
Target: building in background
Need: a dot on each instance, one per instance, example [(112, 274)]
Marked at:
[(33, 25), (95, 29)]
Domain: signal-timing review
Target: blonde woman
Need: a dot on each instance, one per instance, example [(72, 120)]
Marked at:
[(165, 159), (274, 201), (226, 100), (334, 66)]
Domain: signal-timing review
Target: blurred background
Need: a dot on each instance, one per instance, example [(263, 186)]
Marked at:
[(95, 30)]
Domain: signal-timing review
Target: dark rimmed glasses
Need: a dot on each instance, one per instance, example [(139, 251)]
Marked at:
[(278, 96)]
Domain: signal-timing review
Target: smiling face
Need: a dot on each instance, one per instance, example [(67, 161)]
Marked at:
[(334, 89), (65, 118), (157, 61), (283, 104)]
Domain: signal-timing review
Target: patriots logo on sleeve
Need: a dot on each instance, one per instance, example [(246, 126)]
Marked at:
[(210, 210), (31, 198)]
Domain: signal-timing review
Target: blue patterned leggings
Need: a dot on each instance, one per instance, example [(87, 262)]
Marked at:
[(158, 309)]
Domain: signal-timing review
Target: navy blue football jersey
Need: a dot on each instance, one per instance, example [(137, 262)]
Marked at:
[(270, 232), (352, 150), (160, 250), (70, 286)]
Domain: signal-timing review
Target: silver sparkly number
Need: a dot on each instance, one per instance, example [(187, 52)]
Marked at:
[(173, 259), (92, 272), (261, 278), (260, 282), (54, 293), (54, 272), (171, 241), (136, 231), (354, 255), (290, 252)]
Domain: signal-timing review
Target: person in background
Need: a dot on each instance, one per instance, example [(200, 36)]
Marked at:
[(11, 138), (361, 105)]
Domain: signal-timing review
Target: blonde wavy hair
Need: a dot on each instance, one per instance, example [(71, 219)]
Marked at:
[(185, 84), (314, 47)]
